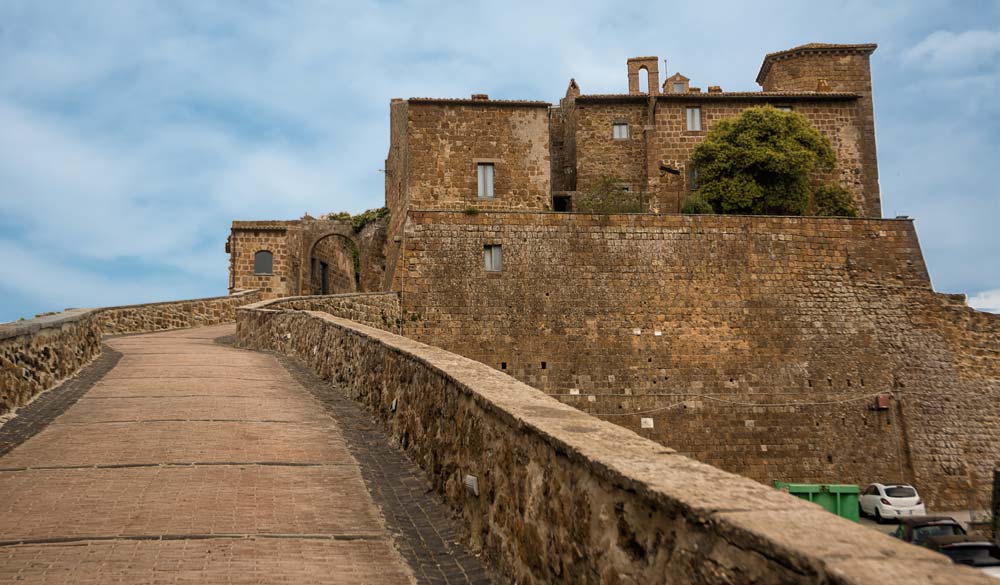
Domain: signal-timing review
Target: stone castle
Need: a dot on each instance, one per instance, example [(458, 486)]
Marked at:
[(780, 348), (493, 380)]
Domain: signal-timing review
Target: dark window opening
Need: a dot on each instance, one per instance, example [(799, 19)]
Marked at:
[(324, 276), (562, 203), (543, 365), (263, 262), (503, 365)]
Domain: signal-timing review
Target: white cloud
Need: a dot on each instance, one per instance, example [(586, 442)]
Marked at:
[(950, 52), (134, 131), (987, 300)]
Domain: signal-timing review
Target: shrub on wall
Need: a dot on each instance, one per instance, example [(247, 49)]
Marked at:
[(358, 222), (609, 196), (761, 162), (834, 200), (696, 205)]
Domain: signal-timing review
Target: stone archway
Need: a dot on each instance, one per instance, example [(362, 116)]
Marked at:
[(333, 265)]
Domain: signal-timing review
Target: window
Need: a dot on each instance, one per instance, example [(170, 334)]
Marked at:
[(262, 262), (619, 130), (678, 88), (492, 258), (783, 108), (562, 203), (694, 119), (900, 491), (693, 178), (485, 178)]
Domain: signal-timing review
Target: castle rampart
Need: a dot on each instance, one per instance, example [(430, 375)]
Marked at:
[(758, 344)]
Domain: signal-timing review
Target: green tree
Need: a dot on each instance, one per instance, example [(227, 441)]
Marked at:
[(761, 162), (834, 200)]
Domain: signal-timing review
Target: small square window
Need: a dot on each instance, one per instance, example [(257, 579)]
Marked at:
[(678, 88), (492, 258), (484, 176), (619, 131), (694, 119)]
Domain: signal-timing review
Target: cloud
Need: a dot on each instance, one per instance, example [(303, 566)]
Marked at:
[(950, 52), (987, 300), (133, 132)]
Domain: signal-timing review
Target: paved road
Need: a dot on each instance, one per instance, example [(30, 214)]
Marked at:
[(192, 462)]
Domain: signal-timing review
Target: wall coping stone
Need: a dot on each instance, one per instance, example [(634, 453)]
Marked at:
[(32, 326)]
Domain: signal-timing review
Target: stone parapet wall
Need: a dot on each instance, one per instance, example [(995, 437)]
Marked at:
[(37, 354), (562, 497), (378, 310), (173, 314)]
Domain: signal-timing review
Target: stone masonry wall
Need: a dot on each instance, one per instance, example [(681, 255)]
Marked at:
[(337, 254), (446, 141), (671, 143), (757, 344), (37, 354), (563, 497), (277, 237), (378, 310), (666, 141), (598, 154), (839, 70), (173, 314)]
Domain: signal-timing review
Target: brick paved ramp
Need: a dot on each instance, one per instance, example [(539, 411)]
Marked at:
[(197, 463)]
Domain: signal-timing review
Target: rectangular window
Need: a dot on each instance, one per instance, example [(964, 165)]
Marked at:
[(693, 176), (485, 178), (492, 258), (694, 119), (783, 108), (619, 131), (678, 88)]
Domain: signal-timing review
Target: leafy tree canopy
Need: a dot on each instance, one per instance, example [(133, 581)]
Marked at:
[(761, 162)]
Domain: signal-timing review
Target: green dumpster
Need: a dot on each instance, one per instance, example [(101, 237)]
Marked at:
[(841, 500)]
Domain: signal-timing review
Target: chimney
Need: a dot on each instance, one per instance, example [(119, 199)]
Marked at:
[(714, 89), (480, 97)]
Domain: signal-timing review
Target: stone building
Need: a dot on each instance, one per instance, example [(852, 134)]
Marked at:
[(781, 348)]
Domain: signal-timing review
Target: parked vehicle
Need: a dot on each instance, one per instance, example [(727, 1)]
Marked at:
[(968, 549), (918, 529), (885, 502)]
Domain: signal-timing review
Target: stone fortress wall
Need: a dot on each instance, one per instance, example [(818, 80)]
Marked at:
[(550, 494), (37, 354), (758, 344)]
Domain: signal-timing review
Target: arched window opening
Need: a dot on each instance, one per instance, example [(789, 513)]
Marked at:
[(643, 80), (263, 262)]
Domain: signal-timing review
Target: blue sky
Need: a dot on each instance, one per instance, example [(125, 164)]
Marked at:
[(132, 133)]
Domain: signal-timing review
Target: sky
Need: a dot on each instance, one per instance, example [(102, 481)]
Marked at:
[(132, 133)]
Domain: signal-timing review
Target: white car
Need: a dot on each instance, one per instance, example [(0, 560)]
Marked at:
[(885, 502)]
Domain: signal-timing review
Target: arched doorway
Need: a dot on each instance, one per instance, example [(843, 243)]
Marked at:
[(333, 266)]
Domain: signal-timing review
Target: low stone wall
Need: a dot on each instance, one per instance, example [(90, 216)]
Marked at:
[(562, 497), (378, 310), (37, 354), (173, 314)]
